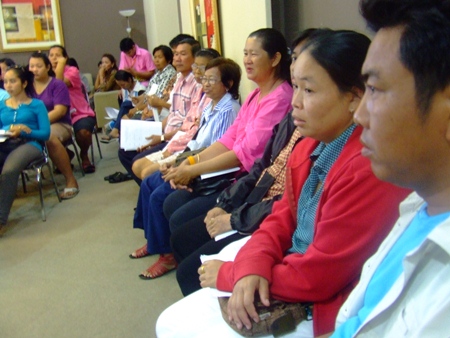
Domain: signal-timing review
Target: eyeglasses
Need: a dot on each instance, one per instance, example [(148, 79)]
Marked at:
[(196, 66), (210, 80)]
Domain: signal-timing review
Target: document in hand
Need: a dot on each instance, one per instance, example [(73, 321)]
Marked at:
[(133, 133), (218, 173)]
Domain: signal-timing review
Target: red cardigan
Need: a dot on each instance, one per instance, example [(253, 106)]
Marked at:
[(355, 213)]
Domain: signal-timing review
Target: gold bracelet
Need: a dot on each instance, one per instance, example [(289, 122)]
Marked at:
[(191, 160), (198, 158)]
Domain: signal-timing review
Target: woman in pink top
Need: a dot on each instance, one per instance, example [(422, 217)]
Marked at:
[(83, 117), (266, 62)]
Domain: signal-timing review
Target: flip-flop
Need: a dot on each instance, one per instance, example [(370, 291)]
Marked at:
[(89, 168), (106, 178), (120, 178), (69, 193)]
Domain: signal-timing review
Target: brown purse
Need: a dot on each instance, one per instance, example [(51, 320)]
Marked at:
[(277, 319)]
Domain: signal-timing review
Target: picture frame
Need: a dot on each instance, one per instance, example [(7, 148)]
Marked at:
[(32, 25), (205, 23)]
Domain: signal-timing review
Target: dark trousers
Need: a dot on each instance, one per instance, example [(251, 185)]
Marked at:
[(128, 157)]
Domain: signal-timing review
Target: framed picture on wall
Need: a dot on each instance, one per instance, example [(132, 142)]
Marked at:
[(205, 22), (29, 26)]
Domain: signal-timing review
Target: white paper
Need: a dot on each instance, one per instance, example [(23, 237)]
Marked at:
[(112, 113), (218, 173), (152, 90), (133, 133), (4, 135), (224, 235)]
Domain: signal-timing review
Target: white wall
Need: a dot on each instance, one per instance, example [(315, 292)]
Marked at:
[(161, 21), (238, 18)]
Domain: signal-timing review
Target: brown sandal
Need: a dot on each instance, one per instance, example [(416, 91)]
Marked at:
[(163, 265), (139, 253)]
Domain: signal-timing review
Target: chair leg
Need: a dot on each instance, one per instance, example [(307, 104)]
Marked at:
[(50, 169), (98, 146), (39, 180), (24, 184)]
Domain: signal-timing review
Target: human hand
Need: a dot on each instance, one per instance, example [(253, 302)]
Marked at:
[(131, 70), (16, 129), (132, 112), (180, 176), (146, 114), (214, 212), (153, 101), (61, 60), (208, 272), (137, 100), (154, 139), (144, 147), (218, 225), (241, 304)]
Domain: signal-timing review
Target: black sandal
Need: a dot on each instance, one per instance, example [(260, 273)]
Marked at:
[(121, 177)]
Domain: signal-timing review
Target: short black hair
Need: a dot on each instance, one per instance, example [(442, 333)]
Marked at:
[(44, 58), (180, 37), (209, 53), (424, 43), (63, 50), (195, 45), (167, 52), (341, 53), (123, 75), (126, 44)]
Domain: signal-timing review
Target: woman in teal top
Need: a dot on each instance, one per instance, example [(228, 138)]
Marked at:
[(24, 127)]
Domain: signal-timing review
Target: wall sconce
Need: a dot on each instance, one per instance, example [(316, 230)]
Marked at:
[(127, 13)]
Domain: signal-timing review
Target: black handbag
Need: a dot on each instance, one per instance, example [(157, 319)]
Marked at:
[(212, 185), (11, 144)]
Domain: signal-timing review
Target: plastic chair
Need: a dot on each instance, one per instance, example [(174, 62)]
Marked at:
[(37, 165)]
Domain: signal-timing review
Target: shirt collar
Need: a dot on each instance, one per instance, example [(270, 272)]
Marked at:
[(325, 155)]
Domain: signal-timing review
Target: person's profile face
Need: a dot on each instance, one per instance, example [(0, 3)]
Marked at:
[(320, 110), (395, 139), (257, 62)]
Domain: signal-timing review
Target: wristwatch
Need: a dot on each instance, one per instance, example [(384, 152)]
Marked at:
[(162, 138)]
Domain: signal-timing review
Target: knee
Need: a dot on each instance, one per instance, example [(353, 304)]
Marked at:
[(137, 167), (84, 135)]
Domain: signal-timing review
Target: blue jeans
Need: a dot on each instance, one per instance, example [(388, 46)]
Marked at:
[(149, 214)]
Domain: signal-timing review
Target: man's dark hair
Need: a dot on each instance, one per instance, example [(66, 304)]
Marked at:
[(195, 45), (126, 44), (424, 43), (180, 37), (123, 75)]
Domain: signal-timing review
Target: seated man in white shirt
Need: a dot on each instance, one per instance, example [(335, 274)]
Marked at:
[(404, 288)]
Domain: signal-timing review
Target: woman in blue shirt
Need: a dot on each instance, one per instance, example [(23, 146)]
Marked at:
[(24, 127)]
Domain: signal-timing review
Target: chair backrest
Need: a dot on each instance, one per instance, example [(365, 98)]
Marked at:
[(90, 82), (103, 100)]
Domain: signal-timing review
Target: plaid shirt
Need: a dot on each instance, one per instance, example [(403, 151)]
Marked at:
[(278, 168)]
